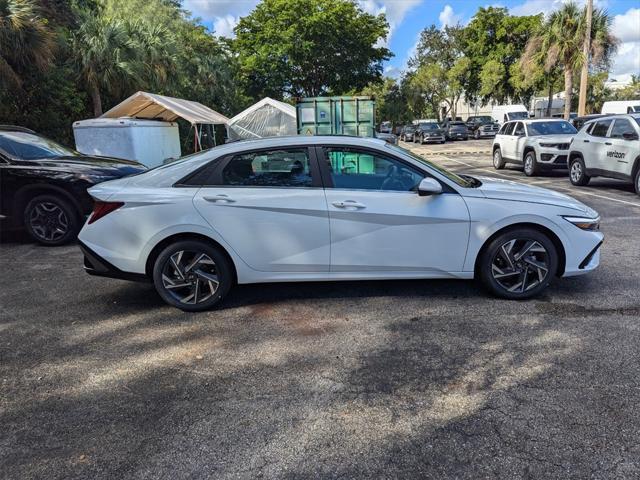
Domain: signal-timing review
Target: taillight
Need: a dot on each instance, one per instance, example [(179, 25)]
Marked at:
[(100, 209)]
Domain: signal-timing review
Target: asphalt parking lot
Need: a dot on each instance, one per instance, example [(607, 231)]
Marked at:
[(410, 379)]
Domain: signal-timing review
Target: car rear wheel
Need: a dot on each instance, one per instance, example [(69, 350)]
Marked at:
[(577, 173), (518, 264), (192, 275), (638, 182), (498, 161), (476, 134), (530, 164), (51, 220)]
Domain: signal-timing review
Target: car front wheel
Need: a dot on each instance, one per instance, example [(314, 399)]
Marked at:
[(518, 264), (638, 182), (477, 134), (530, 164), (577, 173), (192, 275), (51, 220)]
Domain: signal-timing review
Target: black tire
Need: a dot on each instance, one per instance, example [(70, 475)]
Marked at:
[(530, 164), (51, 220), (476, 134), (191, 249), (637, 182), (577, 173), (498, 161), (491, 254)]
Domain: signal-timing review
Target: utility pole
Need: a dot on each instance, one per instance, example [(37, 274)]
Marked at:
[(584, 76)]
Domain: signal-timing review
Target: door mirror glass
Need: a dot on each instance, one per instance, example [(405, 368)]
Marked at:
[(429, 186), (630, 136)]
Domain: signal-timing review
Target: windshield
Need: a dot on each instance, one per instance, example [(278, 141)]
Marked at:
[(484, 119), (551, 128), (463, 181), (429, 126), (458, 124), (517, 115), (636, 108), (27, 146)]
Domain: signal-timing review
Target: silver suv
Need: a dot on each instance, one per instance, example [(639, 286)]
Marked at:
[(535, 144), (607, 147)]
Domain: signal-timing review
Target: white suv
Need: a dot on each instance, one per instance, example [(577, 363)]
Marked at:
[(535, 144), (607, 147)]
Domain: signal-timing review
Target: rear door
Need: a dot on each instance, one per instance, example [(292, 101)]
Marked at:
[(380, 224), (619, 150), (269, 206)]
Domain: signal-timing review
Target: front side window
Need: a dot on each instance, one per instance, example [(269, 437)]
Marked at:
[(27, 146), (519, 130), (601, 128), (362, 170), (620, 127), (275, 168), (507, 129)]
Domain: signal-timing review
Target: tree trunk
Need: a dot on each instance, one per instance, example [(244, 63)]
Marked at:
[(96, 99), (568, 91), (550, 99)]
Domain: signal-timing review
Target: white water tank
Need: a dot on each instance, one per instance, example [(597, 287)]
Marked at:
[(149, 142)]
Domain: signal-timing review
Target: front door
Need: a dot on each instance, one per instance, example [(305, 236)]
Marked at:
[(269, 206), (519, 139), (380, 224), (598, 150)]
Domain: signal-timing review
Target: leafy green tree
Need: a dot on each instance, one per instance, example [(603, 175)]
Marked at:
[(25, 41), (630, 92), (391, 104), (309, 48), (558, 44), (493, 42)]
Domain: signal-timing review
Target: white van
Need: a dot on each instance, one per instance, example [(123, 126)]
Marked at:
[(621, 106), (505, 113)]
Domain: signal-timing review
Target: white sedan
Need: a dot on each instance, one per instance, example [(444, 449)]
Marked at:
[(329, 208)]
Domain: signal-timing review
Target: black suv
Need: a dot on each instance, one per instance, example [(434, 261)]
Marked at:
[(407, 132), (43, 185), (428, 132), (456, 130), (482, 126)]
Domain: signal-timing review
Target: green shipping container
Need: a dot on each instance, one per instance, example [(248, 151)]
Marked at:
[(336, 116)]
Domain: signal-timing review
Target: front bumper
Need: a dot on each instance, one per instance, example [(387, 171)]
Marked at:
[(584, 257), (552, 159), (430, 139)]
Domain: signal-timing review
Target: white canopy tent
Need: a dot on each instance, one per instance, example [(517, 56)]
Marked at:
[(151, 106), (267, 118)]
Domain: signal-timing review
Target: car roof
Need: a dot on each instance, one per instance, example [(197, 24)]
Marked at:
[(15, 128), (297, 140), (599, 117)]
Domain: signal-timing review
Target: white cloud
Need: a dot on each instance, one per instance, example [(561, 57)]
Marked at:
[(448, 18), (224, 14), (393, 72), (534, 7), (395, 11), (223, 26), (627, 60)]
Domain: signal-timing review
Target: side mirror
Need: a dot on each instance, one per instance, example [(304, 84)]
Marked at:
[(429, 186), (630, 136)]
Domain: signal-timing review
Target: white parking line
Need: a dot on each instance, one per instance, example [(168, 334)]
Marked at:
[(573, 191)]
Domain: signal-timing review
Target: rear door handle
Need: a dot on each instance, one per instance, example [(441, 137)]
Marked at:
[(586, 141), (608, 143), (348, 204), (222, 198)]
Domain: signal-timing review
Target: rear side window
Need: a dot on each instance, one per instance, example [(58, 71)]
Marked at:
[(600, 128), (275, 168), (507, 129), (620, 127)]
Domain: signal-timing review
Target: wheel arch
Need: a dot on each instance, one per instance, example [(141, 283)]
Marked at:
[(527, 149), (24, 195), (635, 168), (574, 154), (562, 257), (496, 146), (162, 244)]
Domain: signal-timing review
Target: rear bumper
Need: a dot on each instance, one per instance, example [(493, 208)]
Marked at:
[(94, 264)]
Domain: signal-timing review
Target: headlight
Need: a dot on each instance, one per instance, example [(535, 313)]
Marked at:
[(589, 224), (95, 178)]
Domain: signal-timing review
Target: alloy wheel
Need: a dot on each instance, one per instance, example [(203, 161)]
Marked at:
[(576, 172), (48, 221), (520, 265), (528, 164), (190, 277)]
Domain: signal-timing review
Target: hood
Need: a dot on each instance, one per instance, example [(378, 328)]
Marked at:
[(88, 165), (499, 189), (553, 138)]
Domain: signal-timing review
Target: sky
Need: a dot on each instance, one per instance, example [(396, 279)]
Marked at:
[(407, 18)]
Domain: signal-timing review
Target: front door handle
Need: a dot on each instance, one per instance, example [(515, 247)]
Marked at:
[(608, 143), (586, 141), (348, 204), (222, 198)]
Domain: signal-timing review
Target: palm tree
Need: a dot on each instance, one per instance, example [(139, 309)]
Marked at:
[(559, 45), (25, 41), (104, 57)]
